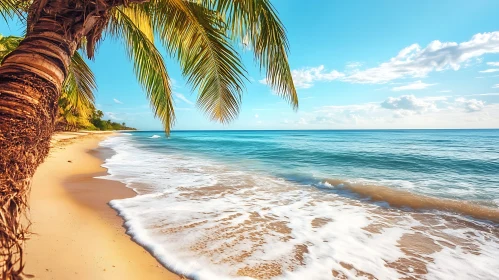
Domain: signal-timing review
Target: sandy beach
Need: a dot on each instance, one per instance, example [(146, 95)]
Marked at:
[(76, 235)]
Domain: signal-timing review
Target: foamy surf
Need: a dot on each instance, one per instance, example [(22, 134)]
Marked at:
[(209, 220), (155, 136), (402, 198)]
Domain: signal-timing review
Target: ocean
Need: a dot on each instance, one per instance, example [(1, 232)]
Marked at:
[(366, 204)]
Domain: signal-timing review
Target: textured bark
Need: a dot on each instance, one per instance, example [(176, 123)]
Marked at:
[(30, 84), (31, 78)]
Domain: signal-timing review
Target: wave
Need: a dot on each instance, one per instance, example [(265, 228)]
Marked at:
[(402, 198), (208, 219), (155, 136)]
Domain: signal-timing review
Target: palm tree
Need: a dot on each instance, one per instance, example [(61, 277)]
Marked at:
[(77, 99), (200, 34)]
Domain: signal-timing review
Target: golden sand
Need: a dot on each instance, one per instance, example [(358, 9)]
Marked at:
[(76, 234)]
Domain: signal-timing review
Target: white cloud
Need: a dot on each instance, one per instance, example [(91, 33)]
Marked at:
[(413, 86), (495, 86), (408, 102), (353, 64), (471, 105), (484, 94), (183, 98), (113, 116), (257, 116), (415, 61), (489, 70), (117, 101), (405, 112), (494, 64), (302, 121), (305, 78)]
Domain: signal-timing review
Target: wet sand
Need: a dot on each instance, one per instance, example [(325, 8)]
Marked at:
[(76, 235)]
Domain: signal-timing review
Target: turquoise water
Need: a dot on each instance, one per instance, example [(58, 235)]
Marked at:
[(458, 164), (418, 204)]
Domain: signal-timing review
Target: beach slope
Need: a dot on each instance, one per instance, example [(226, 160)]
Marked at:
[(76, 235)]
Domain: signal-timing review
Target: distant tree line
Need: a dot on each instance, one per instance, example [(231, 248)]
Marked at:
[(75, 120)]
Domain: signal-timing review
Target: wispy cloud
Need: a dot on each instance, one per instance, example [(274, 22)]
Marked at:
[(445, 90), (413, 61), (413, 86), (494, 64), (407, 102), (117, 101), (489, 70), (471, 105), (406, 111), (306, 77), (484, 94), (113, 116), (353, 64), (183, 98)]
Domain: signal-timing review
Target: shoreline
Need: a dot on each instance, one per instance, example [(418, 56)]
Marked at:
[(76, 234)]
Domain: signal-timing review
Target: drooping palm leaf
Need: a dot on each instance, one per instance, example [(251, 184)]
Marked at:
[(133, 26), (79, 86), (7, 8), (196, 36), (256, 22)]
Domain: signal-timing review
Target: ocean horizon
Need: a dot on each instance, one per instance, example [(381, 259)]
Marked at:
[(311, 204)]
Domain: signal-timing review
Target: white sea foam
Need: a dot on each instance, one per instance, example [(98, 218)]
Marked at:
[(207, 220), (155, 136)]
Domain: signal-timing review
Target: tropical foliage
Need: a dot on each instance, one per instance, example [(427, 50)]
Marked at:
[(202, 35), (76, 103)]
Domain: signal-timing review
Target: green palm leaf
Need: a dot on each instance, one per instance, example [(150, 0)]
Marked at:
[(7, 45), (255, 22), (133, 26), (7, 8), (196, 36), (79, 86)]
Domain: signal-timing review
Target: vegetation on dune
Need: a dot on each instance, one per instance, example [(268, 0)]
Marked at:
[(39, 79)]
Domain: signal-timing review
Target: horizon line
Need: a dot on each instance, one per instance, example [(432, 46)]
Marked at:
[(326, 129)]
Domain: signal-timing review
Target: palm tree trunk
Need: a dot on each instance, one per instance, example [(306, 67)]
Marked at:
[(31, 78)]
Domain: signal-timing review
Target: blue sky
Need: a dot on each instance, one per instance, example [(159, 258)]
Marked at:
[(356, 64)]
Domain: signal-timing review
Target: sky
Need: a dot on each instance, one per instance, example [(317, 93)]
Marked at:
[(356, 65)]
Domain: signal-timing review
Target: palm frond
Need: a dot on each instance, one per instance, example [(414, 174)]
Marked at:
[(8, 44), (79, 85), (7, 9), (256, 22), (133, 26), (10, 9), (196, 36)]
